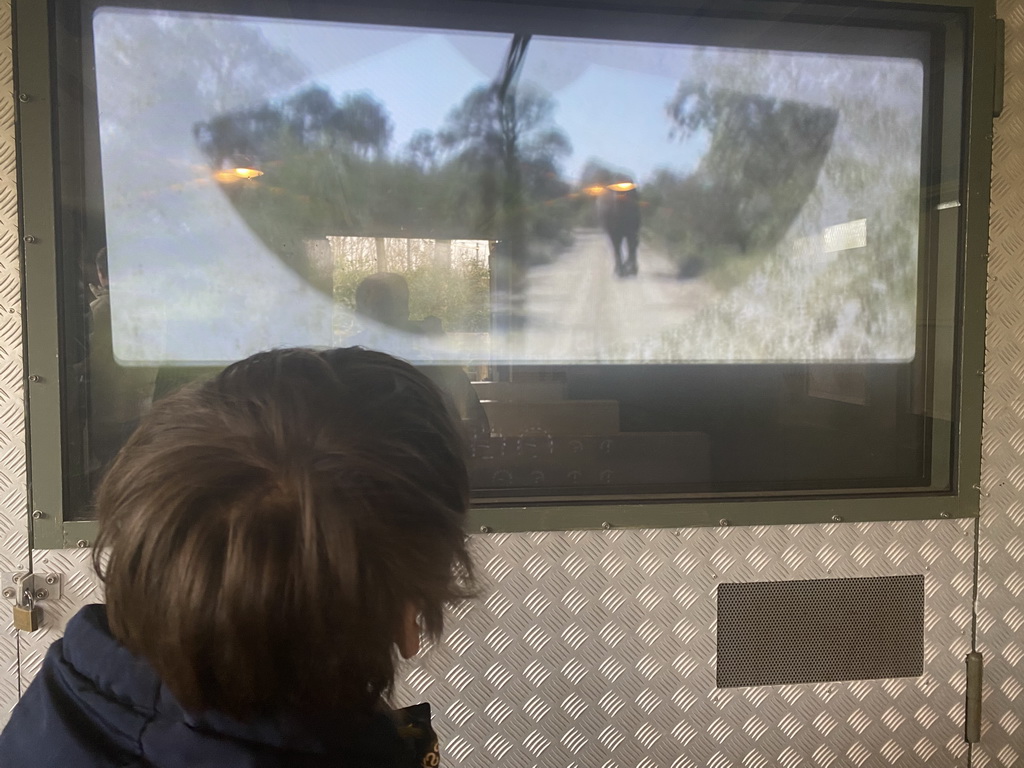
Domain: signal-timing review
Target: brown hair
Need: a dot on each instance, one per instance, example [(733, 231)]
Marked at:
[(269, 529)]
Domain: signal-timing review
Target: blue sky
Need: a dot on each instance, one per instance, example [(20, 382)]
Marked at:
[(610, 97)]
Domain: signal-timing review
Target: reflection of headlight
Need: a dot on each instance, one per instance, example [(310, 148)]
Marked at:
[(236, 174), (622, 186), (594, 191)]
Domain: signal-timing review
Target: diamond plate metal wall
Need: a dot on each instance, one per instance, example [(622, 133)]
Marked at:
[(13, 501), (598, 649), (1001, 578)]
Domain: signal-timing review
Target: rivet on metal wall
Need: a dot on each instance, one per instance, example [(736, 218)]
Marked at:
[(606, 525), (24, 98), (42, 594), (82, 543), (723, 522), (35, 378), (38, 514), (8, 593), (51, 579), (485, 529), (837, 518), (31, 239)]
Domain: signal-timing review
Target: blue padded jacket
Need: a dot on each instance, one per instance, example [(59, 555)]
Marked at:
[(96, 705)]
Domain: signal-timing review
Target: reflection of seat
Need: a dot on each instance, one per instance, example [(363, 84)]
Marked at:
[(517, 408), (560, 417), (520, 392), (675, 459)]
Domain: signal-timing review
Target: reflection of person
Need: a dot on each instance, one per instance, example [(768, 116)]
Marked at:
[(384, 298), (382, 303), (273, 534), (118, 395)]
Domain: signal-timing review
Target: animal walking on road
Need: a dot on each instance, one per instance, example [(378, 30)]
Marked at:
[(618, 208)]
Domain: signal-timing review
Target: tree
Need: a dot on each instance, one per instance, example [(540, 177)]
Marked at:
[(309, 114), (843, 135), (364, 123), (196, 66), (422, 151), (520, 126), (763, 162), (246, 135), (513, 147)]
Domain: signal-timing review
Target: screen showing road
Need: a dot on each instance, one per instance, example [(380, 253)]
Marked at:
[(479, 197)]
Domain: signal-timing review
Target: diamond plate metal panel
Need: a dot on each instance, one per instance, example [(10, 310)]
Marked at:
[(1001, 578), (13, 500), (599, 649)]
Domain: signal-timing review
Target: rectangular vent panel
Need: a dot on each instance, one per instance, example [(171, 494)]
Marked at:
[(818, 631)]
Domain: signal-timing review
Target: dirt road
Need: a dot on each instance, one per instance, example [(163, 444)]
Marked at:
[(576, 309)]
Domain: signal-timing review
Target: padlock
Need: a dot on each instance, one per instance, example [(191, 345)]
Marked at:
[(27, 618)]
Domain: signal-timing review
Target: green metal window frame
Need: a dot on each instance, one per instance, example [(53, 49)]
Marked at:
[(36, 109)]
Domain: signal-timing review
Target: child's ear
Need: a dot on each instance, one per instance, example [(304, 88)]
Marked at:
[(408, 640)]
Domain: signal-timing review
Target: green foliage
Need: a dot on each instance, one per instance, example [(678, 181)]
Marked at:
[(309, 119), (507, 141), (762, 164), (490, 173), (782, 295)]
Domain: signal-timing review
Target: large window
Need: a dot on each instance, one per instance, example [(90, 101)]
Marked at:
[(670, 264)]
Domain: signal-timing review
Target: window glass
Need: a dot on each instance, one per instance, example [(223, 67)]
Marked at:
[(645, 255)]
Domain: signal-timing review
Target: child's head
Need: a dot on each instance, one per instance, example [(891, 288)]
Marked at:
[(274, 532)]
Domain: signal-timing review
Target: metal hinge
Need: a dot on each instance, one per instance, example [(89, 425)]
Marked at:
[(972, 719), (25, 590), (42, 586), (1000, 73)]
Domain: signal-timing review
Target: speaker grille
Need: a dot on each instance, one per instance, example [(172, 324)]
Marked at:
[(786, 632)]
